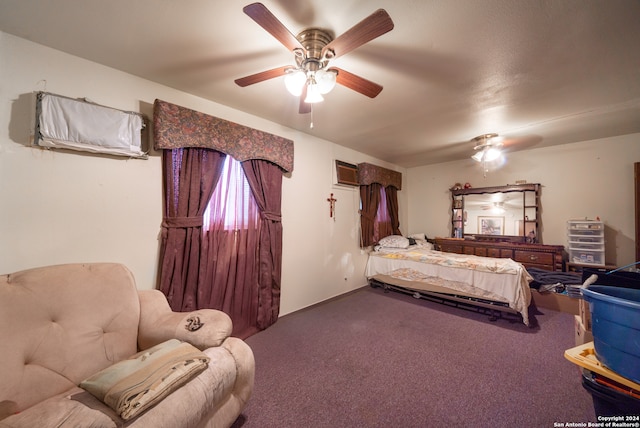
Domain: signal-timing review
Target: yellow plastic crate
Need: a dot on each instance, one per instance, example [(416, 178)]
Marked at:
[(585, 357)]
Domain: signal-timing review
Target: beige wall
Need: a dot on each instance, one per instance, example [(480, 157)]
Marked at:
[(586, 179), (60, 207)]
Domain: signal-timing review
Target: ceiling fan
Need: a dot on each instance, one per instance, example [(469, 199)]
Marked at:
[(313, 49), (488, 149)]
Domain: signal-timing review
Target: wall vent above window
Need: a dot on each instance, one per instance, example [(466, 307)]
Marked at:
[(346, 174)]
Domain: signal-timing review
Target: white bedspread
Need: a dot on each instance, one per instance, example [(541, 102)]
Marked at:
[(485, 277)]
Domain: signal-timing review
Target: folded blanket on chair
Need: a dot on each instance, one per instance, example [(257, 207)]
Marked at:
[(133, 385)]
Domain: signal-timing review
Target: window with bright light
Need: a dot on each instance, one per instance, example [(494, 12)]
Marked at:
[(232, 206)]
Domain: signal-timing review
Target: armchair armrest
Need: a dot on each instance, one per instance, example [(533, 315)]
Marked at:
[(203, 328)]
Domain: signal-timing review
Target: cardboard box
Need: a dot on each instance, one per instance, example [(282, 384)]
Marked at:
[(585, 314), (582, 334), (555, 301)]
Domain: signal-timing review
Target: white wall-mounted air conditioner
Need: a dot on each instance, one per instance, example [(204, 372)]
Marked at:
[(66, 123)]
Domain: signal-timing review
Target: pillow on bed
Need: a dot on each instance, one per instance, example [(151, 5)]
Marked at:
[(418, 236), (423, 243), (394, 241)]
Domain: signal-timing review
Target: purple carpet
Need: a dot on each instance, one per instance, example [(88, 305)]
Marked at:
[(376, 359)]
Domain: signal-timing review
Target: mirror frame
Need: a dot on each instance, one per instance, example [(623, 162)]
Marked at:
[(531, 230)]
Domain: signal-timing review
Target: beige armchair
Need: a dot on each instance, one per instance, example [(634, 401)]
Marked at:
[(61, 324)]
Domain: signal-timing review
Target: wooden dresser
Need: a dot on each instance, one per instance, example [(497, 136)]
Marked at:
[(548, 257)]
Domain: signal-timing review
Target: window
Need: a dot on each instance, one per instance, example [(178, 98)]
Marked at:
[(232, 206)]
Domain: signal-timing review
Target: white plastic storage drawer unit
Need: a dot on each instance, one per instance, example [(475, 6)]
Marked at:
[(586, 241)]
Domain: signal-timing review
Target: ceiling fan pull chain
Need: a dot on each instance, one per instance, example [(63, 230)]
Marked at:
[(311, 116)]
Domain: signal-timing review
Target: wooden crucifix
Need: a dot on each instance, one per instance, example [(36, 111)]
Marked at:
[(332, 206)]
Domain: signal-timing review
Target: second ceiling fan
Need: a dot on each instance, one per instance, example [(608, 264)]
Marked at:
[(313, 48)]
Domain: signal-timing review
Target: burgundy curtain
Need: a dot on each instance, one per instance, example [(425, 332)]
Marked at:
[(372, 179), (182, 267), (370, 198), (373, 225), (265, 180), (234, 269), (230, 253), (190, 177), (392, 206)]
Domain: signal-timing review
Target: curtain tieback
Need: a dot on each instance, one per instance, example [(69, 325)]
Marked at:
[(182, 222), (270, 216)]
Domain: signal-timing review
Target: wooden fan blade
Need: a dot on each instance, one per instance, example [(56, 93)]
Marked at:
[(357, 83), (304, 107), (262, 76), (522, 142), (264, 18), (375, 25)]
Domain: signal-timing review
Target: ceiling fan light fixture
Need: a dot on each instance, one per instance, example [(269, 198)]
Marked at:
[(498, 208), (487, 147), (313, 94), (491, 154), (318, 83), (487, 154), (294, 81), (326, 80), (488, 150)]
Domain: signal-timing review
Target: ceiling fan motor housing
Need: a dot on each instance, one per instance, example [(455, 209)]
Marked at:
[(485, 141), (314, 40)]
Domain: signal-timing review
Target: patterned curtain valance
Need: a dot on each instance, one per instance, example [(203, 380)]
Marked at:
[(175, 127), (368, 174)]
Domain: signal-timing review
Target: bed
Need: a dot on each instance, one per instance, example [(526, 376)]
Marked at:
[(411, 265)]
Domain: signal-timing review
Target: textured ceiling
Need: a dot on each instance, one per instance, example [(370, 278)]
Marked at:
[(539, 73)]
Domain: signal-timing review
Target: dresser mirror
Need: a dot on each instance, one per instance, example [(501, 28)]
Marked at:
[(501, 213)]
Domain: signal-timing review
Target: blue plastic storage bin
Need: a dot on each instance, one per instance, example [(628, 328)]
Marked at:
[(615, 278), (615, 318)]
